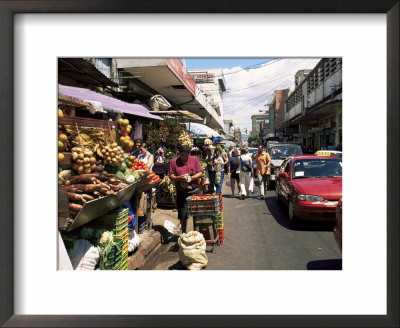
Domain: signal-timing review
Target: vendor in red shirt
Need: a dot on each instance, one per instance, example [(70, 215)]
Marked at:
[(185, 171)]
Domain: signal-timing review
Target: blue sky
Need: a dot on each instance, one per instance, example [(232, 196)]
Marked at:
[(195, 63), (249, 90)]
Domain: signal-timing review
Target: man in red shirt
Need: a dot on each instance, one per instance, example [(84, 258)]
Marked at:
[(184, 170)]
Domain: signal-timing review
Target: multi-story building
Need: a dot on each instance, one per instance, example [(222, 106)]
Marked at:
[(169, 78), (257, 123), (313, 115), (229, 127)]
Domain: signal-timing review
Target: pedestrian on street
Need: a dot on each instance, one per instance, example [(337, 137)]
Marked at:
[(211, 168), (219, 162), (185, 170), (246, 172), (233, 170), (263, 161)]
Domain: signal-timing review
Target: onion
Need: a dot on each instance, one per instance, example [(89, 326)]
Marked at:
[(75, 156), (87, 171), (86, 160), (81, 156), (87, 165)]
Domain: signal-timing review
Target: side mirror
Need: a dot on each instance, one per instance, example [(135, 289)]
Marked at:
[(283, 174)]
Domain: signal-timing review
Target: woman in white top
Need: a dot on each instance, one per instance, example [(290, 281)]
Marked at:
[(145, 156), (246, 172)]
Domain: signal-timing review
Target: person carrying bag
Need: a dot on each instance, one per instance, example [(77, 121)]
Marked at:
[(246, 172)]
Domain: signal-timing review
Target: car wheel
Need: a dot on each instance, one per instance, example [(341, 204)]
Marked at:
[(292, 217)]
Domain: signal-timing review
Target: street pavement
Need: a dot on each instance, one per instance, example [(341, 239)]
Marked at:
[(259, 236)]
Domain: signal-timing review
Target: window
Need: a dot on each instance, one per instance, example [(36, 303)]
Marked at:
[(287, 168)]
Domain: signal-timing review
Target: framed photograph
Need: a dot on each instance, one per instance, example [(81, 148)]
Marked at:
[(33, 34)]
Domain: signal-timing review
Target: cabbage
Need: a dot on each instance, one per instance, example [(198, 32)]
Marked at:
[(106, 237)]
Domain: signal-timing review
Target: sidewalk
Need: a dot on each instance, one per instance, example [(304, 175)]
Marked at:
[(155, 241)]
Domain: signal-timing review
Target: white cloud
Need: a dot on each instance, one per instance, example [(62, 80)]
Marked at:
[(248, 91)]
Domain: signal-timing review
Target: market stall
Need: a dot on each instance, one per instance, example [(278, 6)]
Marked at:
[(98, 179)]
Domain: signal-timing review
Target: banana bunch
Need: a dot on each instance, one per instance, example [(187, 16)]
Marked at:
[(167, 188), (185, 139), (157, 136), (85, 137)]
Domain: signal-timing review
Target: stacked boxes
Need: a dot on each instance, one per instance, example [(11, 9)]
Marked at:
[(219, 224), (203, 206), (117, 221)]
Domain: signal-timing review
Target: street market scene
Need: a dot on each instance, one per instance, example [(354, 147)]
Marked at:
[(199, 163)]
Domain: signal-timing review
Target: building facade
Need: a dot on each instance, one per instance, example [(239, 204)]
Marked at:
[(257, 123), (313, 114)]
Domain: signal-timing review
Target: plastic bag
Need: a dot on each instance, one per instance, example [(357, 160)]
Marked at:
[(228, 181), (84, 256), (171, 227), (133, 241), (251, 185), (192, 250)]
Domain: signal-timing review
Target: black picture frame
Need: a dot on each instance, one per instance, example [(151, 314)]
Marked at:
[(7, 11)]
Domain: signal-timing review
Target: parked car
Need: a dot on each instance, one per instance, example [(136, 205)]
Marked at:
[(310, 186), (337, 229), (336, 153), (278, 153)]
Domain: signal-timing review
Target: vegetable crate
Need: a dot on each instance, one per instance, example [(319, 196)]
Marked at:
[(114, 255), (221, 235), (116, 220), (219, 221), (123, 265), (202, 206), (220, 202)]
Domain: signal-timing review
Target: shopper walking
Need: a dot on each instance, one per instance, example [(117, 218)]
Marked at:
[(138, 144), (246, 172), (211, 169), (263, 161), (219, 163), (185, 170), (233, 171)]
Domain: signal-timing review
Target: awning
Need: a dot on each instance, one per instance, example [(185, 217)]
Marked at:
[(201, 130), (108, 103)]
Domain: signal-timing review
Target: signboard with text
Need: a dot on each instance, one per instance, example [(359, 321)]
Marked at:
[(176, 67), (203, 77)]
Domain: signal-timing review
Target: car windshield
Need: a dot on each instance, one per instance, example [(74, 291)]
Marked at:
[(317, 168), (252, 151), (285, 151)]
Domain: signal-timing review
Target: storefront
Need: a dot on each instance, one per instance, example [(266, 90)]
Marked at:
[(103, 189)]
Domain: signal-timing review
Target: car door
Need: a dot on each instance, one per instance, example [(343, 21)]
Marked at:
[(286, 188), (282, 182)]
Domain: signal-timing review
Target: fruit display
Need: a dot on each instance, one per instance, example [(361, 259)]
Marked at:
[(138, 165), (62, 145), (204, 197), (125, 174), (83, 160), (124, 130), (86, 137), (154, 177), (60, 114), (111, 154), (158, 136), (86, 187), (170, 133), (167, 188)]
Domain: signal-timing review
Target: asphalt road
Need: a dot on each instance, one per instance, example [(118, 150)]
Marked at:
[(259, 236)]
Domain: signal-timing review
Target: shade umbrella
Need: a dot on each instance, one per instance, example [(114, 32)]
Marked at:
[(200, 130)]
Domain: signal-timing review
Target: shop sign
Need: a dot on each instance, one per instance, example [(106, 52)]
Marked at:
[(203, 77), (176, 67)]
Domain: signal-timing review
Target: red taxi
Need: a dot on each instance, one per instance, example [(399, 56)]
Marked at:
[(310, 186)]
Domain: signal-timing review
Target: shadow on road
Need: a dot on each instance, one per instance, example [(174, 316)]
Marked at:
[(166, 236), (177, 266), (279, 212), (334, 264)]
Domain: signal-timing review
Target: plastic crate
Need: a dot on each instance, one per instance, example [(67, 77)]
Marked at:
[(202, 206), (221, 235), (220, 203), (123, 265), (219, 220), (116, 220), (113, 258)]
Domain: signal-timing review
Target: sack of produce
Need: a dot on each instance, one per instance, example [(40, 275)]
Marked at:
[(84, 256), (192, 250)]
